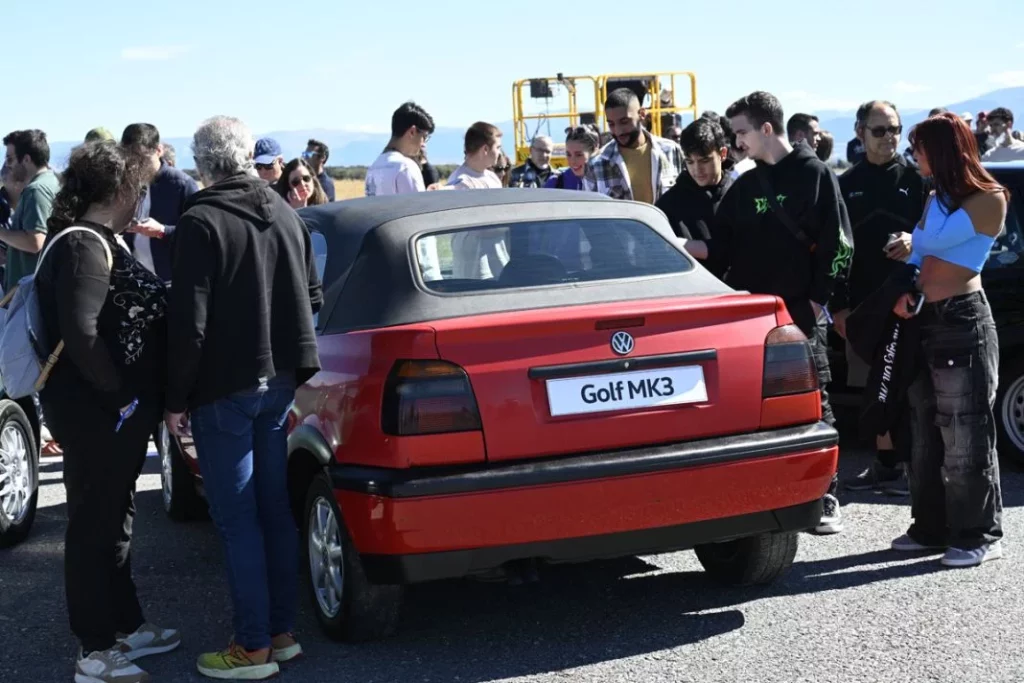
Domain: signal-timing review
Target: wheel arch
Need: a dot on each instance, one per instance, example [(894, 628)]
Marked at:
[(308, 455)]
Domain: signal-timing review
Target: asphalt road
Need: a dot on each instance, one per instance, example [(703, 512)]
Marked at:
[(850, 610)]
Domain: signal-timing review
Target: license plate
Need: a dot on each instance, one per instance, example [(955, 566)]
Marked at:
[(626, 390)]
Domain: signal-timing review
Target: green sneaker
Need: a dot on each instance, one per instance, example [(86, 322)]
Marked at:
[(237, 664)]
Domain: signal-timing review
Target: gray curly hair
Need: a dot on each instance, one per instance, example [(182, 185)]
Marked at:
[(223, 147)]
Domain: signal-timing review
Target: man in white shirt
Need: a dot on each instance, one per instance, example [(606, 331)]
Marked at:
[(1005, 146), (396, 171)]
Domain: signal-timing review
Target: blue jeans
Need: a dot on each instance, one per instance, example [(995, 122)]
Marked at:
[(243, 457)]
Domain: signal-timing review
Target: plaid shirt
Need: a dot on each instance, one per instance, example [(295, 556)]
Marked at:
[(606, 171)]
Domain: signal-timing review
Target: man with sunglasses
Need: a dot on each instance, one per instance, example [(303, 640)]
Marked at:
[(537, 169), (316, 156), (268, 159), (885, 196)]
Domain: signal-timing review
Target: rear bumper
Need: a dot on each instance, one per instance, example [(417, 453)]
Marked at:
[(433, 523)]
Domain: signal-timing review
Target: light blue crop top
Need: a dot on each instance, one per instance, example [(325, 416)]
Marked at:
[(950, 237)]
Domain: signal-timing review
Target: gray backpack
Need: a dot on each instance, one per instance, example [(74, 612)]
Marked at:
[(23, 370)]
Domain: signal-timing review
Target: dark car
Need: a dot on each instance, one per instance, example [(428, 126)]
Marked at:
[(1003, 280), (517, 376)]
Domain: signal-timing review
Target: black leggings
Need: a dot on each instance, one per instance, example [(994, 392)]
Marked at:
[(101, 467)]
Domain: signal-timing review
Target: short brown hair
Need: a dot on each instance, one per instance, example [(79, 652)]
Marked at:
[(481, 134)]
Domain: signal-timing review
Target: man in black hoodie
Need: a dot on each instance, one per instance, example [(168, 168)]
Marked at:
[(782, 229), (691, 203), (885, 196), (241, 340)]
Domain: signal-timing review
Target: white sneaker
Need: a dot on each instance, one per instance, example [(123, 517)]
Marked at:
[(831, 516), (108, 666), (149, 639), (958, 557)]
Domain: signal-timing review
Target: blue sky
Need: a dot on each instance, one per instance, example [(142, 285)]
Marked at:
[(347, 64)]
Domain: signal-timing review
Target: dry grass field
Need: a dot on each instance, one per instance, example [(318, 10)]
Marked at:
[(348, 189)]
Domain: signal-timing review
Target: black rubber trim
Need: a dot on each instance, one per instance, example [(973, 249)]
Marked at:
[(621, 364), (307, 438), (444, 481), (402, 569)]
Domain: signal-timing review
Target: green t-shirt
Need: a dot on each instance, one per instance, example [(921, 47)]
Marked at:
[(33, 211)]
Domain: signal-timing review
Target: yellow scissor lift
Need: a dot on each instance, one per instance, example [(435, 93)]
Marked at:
[(581, 101)]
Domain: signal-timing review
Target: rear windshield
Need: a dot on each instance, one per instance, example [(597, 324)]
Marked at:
[(544, 254)]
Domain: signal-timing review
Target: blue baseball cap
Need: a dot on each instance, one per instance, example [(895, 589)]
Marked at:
[(266, 151)]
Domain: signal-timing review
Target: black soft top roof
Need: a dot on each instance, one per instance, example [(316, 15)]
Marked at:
[(372, 280), (366, 213)]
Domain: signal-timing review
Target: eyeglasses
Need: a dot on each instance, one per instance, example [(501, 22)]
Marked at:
[(264, 167), (880, 131), (501, 169), (309, 155), (301, 179)]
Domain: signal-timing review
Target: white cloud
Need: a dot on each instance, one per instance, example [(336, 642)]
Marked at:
[(1008, 79), (906, 88), (153, 53)]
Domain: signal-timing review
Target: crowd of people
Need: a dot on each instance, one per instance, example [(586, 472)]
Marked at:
[(895, 240)]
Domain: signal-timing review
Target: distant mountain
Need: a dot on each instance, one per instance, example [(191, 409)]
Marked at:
[(840, 124), (359, 148), (348, 148)]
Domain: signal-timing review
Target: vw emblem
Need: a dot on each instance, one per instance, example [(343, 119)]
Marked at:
[(622, 343)]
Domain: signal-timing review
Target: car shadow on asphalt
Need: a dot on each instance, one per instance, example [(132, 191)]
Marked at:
[(461, 630)]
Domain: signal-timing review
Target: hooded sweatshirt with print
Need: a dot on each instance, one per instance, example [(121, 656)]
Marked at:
[(758, 253)]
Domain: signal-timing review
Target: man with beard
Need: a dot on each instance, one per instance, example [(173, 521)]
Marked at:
[(782, 229), (636, 164), (28, 160), (691, 203), (885, 196)]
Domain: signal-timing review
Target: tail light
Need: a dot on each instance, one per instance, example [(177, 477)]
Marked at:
[(428, 397), (788, 363)]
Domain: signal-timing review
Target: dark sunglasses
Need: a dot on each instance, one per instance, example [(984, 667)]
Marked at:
[(264, 167), (880, 131), (302, 179), (500, 169)]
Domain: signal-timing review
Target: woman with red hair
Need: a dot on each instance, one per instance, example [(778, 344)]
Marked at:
[(954, 474)]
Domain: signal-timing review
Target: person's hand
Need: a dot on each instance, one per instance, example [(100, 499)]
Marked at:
[(904, 306), (899, 249), (298, 196), (150, 228), (839, 321), (177, 424)]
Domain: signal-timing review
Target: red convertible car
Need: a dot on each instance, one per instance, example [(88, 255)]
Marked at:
[(535, 375)]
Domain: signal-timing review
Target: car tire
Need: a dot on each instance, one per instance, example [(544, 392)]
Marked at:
[(364, 611), (1009, 410), (19, 474), (747, 561), (181, 500)]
